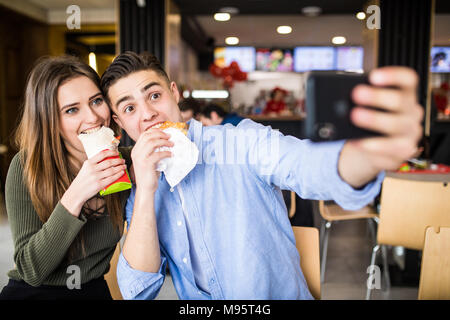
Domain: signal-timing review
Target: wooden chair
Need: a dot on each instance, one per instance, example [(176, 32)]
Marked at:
[(407, 209), (307, 243), (435, 272), (331, 212), (111, 276)]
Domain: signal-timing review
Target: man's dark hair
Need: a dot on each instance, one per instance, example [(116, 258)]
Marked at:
[(190, 104), (127, 63), (213, 107)]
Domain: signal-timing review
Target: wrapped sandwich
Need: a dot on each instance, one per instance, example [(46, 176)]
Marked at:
[(184, 153), (98, 141)]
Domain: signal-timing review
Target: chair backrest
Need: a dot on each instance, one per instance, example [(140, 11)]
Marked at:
[(307, 242), (111, 276), (408, 208), (435, 270)]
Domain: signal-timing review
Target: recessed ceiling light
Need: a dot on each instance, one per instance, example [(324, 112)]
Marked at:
[(338, 40), (361, 15), (284, 29), (232, 41), (222, 16), (311, 11)]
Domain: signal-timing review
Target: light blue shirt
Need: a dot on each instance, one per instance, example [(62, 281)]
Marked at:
[(224, 230)]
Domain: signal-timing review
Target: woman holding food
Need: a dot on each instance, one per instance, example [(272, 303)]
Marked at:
[(64, 232)]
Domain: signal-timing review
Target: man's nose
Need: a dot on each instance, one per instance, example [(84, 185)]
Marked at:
[(149, 112)]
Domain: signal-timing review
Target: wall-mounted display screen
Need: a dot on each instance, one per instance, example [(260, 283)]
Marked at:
[(440, 59), (244, 56), (280, 60), (314, 58), (349, 58)]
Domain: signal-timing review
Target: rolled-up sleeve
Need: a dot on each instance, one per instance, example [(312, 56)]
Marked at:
[(139, 285), (135, 284), (310, 169)]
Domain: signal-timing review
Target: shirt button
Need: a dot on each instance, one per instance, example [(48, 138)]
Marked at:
[(211, 281), (184, 260), (179, 223)]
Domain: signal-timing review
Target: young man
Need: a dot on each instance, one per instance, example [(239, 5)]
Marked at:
[(224, 229), (213, 115)]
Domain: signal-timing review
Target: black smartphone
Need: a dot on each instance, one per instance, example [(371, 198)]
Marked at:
[(328, 106)]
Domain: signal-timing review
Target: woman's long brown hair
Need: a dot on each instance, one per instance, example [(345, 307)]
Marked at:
[(47, 169)]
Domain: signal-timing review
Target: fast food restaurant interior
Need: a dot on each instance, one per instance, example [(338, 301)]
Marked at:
[(251, 59)]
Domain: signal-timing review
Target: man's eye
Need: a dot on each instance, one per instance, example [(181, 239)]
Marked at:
[(128, 109), (155, 96)]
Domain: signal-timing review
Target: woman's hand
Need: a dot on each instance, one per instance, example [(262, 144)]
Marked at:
[(94, 175), (145, 158)]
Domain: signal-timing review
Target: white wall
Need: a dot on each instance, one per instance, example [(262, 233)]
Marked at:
[(246, 92)]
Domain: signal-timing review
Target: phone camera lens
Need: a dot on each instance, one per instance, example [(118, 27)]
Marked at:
[(326, 131)]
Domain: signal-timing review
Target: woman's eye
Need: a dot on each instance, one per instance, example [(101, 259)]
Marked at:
[(128, 109), (71, 110), (97, 101)]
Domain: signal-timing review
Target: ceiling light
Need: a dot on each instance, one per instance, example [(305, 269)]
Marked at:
[(361, 15), (232, 41), (311, 11), (93, 61), (222, 16), (284, 29), (338, 40), (210, 94)]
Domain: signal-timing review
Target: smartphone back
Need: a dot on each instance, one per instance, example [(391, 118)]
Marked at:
[(328, 106)]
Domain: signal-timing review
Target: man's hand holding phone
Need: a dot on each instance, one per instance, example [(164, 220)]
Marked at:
[(392, 89)]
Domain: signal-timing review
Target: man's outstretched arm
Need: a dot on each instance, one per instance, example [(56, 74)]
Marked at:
[(362, 160)]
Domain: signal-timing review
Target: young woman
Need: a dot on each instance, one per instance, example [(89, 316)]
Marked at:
[(64, 233)]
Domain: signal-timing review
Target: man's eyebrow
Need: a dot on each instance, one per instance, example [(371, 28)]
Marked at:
[(151, 84), (125, 98)]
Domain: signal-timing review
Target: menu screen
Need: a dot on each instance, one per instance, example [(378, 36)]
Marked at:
[(440, 59), (244, 56), (313, 58), (349, 58), (274, 60)]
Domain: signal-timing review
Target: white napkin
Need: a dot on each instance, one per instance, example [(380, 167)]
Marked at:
[(98, 141), (183, 160)]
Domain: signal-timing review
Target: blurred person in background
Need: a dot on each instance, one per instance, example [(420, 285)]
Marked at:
[(213, 115), (190, 108)]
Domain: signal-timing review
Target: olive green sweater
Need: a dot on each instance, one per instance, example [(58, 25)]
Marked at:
[(40, 249)]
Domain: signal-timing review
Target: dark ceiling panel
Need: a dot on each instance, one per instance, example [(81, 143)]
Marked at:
[(201, 7)]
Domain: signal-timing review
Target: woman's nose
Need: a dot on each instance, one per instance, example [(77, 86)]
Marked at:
[(91, 116)]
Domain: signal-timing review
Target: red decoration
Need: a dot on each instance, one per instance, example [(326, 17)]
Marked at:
[(229, 74)]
